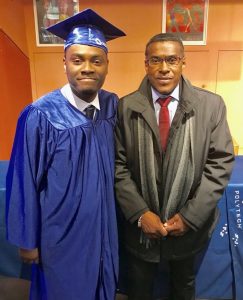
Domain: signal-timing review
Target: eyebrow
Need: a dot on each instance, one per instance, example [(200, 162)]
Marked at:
[(89, 55)]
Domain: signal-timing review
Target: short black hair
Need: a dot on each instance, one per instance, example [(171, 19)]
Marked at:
[(165, 37)]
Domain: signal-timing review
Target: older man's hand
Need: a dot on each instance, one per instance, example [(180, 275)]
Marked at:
[(176, 226), (152, 225)]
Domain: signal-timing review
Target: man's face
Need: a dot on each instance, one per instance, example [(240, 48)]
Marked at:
[(164, 76), (86, 68)]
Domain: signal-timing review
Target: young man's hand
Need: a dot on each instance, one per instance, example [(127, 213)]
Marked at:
[(29, 256)]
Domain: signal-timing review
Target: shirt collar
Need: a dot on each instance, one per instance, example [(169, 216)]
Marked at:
[(78, 102), (156, 95)]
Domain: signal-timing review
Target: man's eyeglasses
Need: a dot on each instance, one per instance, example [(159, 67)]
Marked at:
[(171, 61)]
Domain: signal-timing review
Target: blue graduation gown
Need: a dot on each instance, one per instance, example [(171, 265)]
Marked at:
[(60, 198)]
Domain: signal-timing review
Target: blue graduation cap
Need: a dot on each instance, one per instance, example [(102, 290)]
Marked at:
[(86, 28)]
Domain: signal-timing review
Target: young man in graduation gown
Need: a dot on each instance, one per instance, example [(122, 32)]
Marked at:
[(60, 201)]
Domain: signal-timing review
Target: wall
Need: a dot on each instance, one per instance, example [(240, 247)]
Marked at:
[(15, 90), (12, 22), (15, 83), (217, 66)]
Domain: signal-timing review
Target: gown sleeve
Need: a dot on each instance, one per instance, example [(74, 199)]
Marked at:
[(32, 146)]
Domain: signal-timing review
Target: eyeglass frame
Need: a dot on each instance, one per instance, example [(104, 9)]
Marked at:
[(164, 59)]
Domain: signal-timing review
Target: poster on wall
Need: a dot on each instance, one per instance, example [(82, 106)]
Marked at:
[(50, 12), (187, 18)]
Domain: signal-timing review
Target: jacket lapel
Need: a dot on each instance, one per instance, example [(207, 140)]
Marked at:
[(142, 103)]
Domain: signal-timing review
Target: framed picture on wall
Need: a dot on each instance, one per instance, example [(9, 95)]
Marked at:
[(187, 18), (50, 12)]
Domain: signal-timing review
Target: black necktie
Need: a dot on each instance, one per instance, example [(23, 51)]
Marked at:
[(89, 111)]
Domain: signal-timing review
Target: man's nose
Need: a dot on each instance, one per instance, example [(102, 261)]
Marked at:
[(87, 66), (163, 67)]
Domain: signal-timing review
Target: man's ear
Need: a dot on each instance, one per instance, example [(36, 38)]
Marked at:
[(146, 65), (107, 66), (64, 64), (183, 62)]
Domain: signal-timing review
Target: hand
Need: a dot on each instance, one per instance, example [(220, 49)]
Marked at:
[(176, 226), (152, 226), (29, 256)]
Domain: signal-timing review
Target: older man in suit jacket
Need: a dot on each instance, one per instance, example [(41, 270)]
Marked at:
[(169, 195)]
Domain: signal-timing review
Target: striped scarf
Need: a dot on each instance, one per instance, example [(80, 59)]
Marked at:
[(178, 172)]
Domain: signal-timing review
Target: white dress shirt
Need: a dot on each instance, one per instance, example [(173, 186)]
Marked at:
[(76, 101), (172, 106)]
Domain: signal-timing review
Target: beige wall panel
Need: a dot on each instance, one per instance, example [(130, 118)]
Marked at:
[(49, 72), (126, 70), (230, 86), (200, 69), (225, 22)]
